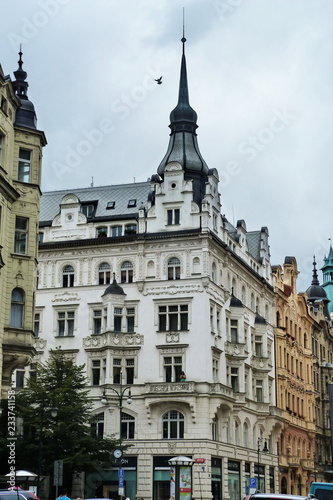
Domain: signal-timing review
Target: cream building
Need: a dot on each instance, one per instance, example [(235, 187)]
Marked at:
[(143, 281), (21, 146)]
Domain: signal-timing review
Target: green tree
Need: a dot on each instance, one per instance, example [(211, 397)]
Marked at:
[(68, 436)]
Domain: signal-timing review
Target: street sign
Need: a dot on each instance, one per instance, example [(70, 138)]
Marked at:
[(58, 472), (121, 482), (253, 485), (121, 492), (199, 460), (120, 472)]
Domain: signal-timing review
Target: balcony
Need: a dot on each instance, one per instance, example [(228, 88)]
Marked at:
[(169, 387), (235, 350), (307, 463), (294, 461), (112, 339), (261, 364)]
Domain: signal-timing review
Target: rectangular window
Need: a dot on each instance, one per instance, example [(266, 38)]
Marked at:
[(123, 367), (116, 370), (234, 379), (234, 331), (116, 231), (129, 371), (259, 391), (117, 317), (173, 216), (172, 368), (97, 426), (127, 426), (24, 165), (173, 317), (36, 324), (258, 345), (66, 323), (130, 316), (96, 372), (21, 235), (19, 378), (97, 321)]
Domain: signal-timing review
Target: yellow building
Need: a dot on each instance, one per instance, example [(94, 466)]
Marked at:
[(20, 177), (294, 382)]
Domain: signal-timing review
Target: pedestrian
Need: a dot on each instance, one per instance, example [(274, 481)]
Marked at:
[(182, 377), (63, 495)]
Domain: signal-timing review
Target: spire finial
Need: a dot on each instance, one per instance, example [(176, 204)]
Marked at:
[(183, 40), (315, 280)]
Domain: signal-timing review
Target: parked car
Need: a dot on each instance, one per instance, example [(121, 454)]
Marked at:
[(322, 491), (28, 495), (278, 496), (11, 495)]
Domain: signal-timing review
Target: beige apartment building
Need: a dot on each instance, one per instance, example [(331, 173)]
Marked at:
[(21, 146)]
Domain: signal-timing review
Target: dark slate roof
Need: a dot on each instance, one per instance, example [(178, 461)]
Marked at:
[(114, 289), (253, 243), (120, 194)]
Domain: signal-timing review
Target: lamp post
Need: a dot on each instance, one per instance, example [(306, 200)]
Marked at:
[(53, 412), (264, 450), (120, 395)]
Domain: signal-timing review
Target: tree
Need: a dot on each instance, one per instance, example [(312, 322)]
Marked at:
[(67, 437)]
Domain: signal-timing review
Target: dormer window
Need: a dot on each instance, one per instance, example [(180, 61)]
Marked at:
[(173, 216), (110, 205), (88, 209), (131, 203)]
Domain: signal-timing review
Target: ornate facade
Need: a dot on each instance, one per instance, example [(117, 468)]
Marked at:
[(141, 282), (20, 176)]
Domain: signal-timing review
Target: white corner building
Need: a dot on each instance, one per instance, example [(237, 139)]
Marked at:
[(147, 280)]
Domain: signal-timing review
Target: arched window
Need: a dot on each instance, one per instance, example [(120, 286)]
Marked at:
[(245, 435), (17, 308), (244, 295), (236, 433), (127, 426), (68, 277), (174, 269), (104, 274), (214, 275), (126, 272), (173, 425)]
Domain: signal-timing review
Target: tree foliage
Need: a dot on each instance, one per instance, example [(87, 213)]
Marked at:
[(68, 437)]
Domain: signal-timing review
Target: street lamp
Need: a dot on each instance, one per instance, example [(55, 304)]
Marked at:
[(120, 394), (264, 450), (54, 413)]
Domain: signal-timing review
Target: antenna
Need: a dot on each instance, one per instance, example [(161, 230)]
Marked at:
[(183, 39), (92, 182)]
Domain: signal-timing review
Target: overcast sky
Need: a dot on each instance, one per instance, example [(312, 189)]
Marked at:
[(260, 78)]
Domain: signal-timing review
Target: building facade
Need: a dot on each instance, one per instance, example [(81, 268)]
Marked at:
[(141, 282), (296, 395), (21, 146)]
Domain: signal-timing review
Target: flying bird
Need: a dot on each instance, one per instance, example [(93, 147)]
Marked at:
[(158, 80)]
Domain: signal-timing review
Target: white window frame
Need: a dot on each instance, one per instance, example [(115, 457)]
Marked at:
[(24, 166)]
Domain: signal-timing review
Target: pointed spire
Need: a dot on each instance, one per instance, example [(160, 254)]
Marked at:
[(25, 114), (315, 280), (20, 85), (183, 145)]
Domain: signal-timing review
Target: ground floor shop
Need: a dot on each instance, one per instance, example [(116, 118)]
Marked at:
[(211, 478)]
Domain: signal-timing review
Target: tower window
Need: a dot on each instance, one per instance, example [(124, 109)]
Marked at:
[(173, 216), (24, 165)]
